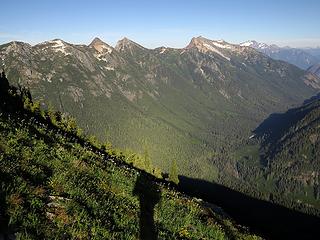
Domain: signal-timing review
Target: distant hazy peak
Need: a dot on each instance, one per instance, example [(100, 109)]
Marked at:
[(126, 43), (100, 46), (258, 45), (295, 56)]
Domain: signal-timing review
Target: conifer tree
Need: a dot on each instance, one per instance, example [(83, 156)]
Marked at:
[(147, 160), (173, 174)]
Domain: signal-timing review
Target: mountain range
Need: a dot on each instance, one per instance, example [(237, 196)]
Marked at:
[(197, 105), (303, 58), (313, 51)]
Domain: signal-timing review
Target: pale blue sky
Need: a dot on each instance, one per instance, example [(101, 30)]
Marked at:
[(162, 23)]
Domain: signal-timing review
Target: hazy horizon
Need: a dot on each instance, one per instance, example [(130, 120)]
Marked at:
[(165, 23)]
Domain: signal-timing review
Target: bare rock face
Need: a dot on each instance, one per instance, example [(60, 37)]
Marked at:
[(100, 46), (311, 79), (315, 69), (126, 44)]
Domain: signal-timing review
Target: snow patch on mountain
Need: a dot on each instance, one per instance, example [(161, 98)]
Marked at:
[(224, 93), (104, 47), (246, 44), (56, 45), (100, 57), (163, 50), (255, 44), (219, 47), (221, 44), (213, 49), (109, 68)]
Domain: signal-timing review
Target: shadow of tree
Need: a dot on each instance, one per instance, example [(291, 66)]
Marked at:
[(149, 195)]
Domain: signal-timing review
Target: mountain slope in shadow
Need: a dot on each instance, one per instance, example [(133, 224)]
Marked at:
[(270, 220)]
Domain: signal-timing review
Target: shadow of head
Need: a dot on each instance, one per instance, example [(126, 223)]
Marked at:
[(147, 190)]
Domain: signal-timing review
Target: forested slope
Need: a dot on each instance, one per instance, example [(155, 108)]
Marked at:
[(291, 151), (280, 161)]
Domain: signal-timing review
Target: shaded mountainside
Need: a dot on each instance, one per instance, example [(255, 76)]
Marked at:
[(299, 57), (270, 220), (184, 104), (281, 159), (290, 149), (56, 184)]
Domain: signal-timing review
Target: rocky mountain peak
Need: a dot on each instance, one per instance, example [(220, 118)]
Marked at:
[(16, 47), (56, 45), (206, 45), (126, 43), (196, 42), (100, 46), (200, 41), (96, 41)]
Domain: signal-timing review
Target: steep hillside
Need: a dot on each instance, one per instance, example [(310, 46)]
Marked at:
[(299, 57), (55, 184)]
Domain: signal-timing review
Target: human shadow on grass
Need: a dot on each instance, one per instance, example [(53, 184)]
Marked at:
[(149, 195)]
